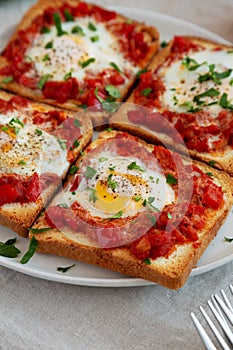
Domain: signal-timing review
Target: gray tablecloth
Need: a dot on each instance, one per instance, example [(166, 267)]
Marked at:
[(39, 314)]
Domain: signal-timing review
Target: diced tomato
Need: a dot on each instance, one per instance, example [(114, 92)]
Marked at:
[(117, 79), (213, 196), (103, 15), (183, 45), (61, 91), (8, 193), (141, 248)]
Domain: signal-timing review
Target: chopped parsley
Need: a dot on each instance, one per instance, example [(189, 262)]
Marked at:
[(113, 91), (49, 45), (152, 219), (146, 92), (45, 30), (209, 174), (112, 167), (77, 123), (171, 180), (8, 249), (63, 205), (147, 261), (78, 30), (190, 107), (140, 72), (163, 44), (95, 38), (169, 215), (22, 162), (111, 183), (90, 172), (231, 82), (46, 58), (209, 93), (69, 74), (212, 162), (230, 51), (107, 104), (192, 64), (117, 215), (31, 250), (92, 27), (7, 80), (57, 22), (103, 159), (115, 66), (227, 239), (87, 62), (213, 75), (62, 144), (134, 166), (137, 198), (17, 121), (73, 169), (65, 269), (92, 196), (43, 80), (39, 230), (68, 16), (225, 103)]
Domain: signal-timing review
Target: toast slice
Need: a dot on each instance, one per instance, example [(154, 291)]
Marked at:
[(135, 208), (76, 55), (38, 144), (187, 97)]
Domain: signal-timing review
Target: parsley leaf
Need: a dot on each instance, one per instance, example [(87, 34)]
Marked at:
[(111, 183), (92, 196), (225, 103), (7, 80), (86, 63), (140, 72), (147, 261), (39, 230), (171, 180), (73, 169), (90, 172), (134, 165), (92, 27), (65, 269), (57, 22), (78, 30), (209, 93), (227, 239), (192, 64), (114, 65), (49, 45), (95, 38), (31, 250), (45, 30), (117, 215), (146, 92), (43, 80), (113, 91), (8, 249), (68, 16)]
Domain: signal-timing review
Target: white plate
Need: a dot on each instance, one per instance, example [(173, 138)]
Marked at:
[(219, 251)]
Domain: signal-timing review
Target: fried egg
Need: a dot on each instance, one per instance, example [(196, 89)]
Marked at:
[(70, 50), (114, 188), (183, 85), (25, 151)]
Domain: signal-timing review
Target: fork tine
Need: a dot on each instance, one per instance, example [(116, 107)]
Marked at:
[(227, 302), (225, 308), (204, 336), (218, 308), (223, 324), (214, 330)]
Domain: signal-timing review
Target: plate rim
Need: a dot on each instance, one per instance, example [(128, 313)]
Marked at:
[(125, 281)]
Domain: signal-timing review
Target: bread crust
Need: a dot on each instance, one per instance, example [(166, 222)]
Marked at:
[(222, 160), (99, 119), (171, 272), (19, 217)]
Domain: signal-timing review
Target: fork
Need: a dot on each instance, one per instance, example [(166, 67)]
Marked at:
[(218, 306)]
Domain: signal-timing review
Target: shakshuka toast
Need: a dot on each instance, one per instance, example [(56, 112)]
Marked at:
[(38, 143), (187, 87), (76, 55), (137, 209)]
